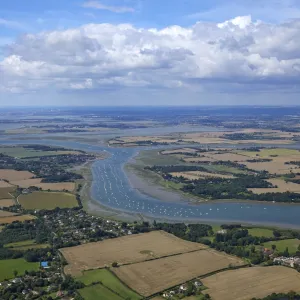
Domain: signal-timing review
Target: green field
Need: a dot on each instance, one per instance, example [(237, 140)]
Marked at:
[(222, 169), (20, 244), (170, 184), (24, 245), (260, 232), (8, 266), (98, 291), (292, 244), (109, 280), (268, 152), (47, 200), (4, 192), (21, 152), (153, 157), (216, 228)]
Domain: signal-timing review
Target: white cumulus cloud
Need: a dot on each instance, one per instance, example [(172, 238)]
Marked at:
[(214, 56)]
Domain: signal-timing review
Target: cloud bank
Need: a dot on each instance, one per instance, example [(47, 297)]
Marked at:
[(238, 55)]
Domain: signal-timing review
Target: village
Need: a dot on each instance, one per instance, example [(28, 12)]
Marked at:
[(53, 230), (59, 228)]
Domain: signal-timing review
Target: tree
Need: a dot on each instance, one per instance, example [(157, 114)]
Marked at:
[(114, 264), (276, 233), (190, 289), (286, 252)]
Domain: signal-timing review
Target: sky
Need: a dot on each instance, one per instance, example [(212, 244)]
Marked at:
[(149, 52)]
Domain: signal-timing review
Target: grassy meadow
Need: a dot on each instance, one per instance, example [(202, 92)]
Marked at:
[(21, 152), (4, 192), (98, 291), (291, 244), (8, 266), (261, 232), (47, 200), (25, 245), (109, 280)]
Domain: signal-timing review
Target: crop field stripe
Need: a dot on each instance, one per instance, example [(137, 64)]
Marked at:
[(141, 278), (110, 289), (108, 279), (195, 278), (133, 263), (157, 258), (101, 290), (252, 282), (125, 250), (113, 274)]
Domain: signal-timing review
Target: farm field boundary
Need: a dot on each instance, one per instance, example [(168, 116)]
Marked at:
[(254, 282), (151, 277), (125, 250), (109, 280)]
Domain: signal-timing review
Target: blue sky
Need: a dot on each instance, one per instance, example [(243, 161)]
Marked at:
[(31, 28), (35, 15)]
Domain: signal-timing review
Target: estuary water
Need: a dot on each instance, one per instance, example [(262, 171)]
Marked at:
[(111, 188)]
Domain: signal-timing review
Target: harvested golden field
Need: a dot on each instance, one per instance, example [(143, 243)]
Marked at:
[(61, 186), (282, 187), (203, 137), (266, 142), (219, 137), (270, 137), (199, 174), (7, 202), (227, 156), (12, 175), (4, 213), (5, 192), (186, 175), (151, 277), (274, 167), (128, 249), (258, 282), (211, 156), (4, 184), (266, 153), (22, 218), (69, 186), (26, 183)]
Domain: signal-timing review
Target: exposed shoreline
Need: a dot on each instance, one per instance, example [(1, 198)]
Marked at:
[(147, 186), (95, 207)]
